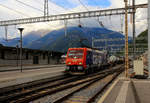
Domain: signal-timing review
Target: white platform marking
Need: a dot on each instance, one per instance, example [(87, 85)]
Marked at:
[(121, 98), (107, 92)]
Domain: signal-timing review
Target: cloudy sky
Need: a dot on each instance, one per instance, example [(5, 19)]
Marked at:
[(16, 9)]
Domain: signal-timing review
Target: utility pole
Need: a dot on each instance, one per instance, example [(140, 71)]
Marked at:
[(6, 32), (133, 27), (65, 22), (126, 39), (92, 42), (21, 30), (46, 12), (149, 37)]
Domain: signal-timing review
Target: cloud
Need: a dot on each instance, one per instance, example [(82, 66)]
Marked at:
[(12, 9), (110, 22), (141, 16), (114, 22)]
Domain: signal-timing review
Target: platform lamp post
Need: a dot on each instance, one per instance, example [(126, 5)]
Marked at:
[(21, 30), (17, 53)]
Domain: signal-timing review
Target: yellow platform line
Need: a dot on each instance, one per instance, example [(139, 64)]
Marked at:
[(108, 92)]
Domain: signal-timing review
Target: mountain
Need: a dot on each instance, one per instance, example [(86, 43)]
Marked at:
[(142, 37), (27, 39), (76, 37), (141, 40), (1, 45)]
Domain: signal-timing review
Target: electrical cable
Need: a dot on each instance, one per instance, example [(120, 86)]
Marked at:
[(29, 5), (33, 8), (62, 8), (83, 5), (121, 24), (88, 11), (42, 12), (16, 11), (58, 5)]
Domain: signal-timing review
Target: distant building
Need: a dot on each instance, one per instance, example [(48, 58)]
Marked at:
[(63, 59), (1, 45), (11, 56)]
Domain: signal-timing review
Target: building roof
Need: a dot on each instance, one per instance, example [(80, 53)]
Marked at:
[(25, 49)]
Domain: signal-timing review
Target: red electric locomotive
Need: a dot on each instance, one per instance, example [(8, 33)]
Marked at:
[(84, 60)]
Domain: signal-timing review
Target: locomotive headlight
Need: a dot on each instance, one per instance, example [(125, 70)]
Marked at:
[(80, 63), (69, 63)]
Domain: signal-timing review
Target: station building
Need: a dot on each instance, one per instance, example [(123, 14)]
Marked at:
[(11, 56)]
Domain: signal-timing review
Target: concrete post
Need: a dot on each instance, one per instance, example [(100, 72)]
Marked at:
[(133, 26), (149, 37), (65, 23), (92, 42), (126, 39)]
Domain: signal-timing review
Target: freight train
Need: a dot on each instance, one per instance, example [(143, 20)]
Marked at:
[(85, 60), (113, 60)]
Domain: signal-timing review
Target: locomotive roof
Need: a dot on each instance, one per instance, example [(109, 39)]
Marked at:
[(89, 49)]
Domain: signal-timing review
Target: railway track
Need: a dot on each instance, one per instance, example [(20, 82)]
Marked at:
[(7, 93), (54, 86), (88, 92)]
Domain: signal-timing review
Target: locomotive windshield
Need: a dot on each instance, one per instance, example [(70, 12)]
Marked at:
[(76, 54)]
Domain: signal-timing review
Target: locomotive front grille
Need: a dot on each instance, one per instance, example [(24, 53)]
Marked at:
[(75, 68)]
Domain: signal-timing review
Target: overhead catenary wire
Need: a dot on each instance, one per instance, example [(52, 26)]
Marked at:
[(64, 9), (6, 32), (51, 8), (16, 11), (83, 5), (88, 10), (46, 9), (121, 24), (58, 5), (100, 22), (65, 21), (85, 8), (29, 6), (110, 22), (37, 8), (65, 27), (34, 9)]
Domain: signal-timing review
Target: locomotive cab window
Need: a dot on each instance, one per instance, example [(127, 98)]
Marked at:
[(76, 54), (89, 58)]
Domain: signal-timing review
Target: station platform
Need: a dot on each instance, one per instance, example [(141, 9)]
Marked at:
[(11, 78), (126, 90), (27, 67)]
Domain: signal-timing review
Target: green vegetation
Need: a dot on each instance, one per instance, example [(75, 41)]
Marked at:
[(1, 45), (142, 40), (141, 43)]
